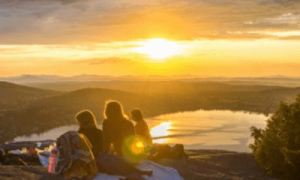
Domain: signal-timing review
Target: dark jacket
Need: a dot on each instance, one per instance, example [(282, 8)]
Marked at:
[(94, 135), (116, 132), (141, 129)]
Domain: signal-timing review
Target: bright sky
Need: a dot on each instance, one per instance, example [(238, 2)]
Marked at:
[(157, 37)]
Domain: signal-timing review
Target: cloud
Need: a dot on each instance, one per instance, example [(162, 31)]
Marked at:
[(109, 60), (287, 2), (77, 21), (20, 3)]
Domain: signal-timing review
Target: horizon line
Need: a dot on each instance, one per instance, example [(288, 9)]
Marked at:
[(146, 76)]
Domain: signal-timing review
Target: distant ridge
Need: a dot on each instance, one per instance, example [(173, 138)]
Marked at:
[(11, 88), (28, 78), (17, 96)]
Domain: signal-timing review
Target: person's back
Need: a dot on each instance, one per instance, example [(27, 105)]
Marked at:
[(116, 128), (94, 135), (142, 129), (88, 127), (116, 132), (141, 126)]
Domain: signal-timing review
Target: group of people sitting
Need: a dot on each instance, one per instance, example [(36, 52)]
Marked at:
[(118, 134), (114, 150)]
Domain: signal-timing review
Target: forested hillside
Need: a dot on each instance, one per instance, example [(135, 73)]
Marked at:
[(13, 96)]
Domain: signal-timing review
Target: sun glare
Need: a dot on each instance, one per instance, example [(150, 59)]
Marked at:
[(158, 49)]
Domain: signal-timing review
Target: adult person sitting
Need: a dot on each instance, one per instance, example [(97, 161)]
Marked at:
[(117, 130), (88, 127), (141, 127)]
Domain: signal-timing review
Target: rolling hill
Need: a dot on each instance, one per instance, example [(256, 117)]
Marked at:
[(17, 96)]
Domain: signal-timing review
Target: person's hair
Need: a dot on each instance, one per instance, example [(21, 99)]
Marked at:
[(2, 153), (86, 118), (113, 110), (137, 114)]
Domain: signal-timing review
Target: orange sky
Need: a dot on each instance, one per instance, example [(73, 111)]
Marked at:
[(165, 37)]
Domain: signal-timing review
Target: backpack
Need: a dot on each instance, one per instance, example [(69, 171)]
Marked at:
[(164, 151), (177, 152), (75, 158)]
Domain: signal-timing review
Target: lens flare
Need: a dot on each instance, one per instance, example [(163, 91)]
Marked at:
[(137, 147)]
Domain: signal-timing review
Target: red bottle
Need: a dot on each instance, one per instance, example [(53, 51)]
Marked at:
[(52, 162)]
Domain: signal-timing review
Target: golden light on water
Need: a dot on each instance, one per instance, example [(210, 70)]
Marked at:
[(161, 130), (158, 49)]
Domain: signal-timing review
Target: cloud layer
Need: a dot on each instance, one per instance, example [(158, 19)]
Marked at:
[(74, 21)]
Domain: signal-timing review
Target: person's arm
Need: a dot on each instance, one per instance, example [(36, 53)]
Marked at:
[(142, 128), (106, 138), (139, 129)]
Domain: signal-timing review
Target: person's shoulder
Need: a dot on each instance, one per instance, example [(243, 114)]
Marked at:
[(143, 123), (139, 123), (127, 122)]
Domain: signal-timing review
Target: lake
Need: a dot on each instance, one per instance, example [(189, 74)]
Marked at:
[(215, 129)]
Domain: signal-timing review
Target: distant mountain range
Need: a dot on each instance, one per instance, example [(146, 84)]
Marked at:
[(71, 83), (53, 78), (28, 78)]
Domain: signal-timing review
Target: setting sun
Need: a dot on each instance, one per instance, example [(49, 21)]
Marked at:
[(158, 49)]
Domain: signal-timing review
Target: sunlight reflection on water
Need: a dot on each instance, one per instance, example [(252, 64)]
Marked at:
[(160, 131), (207, 129)]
